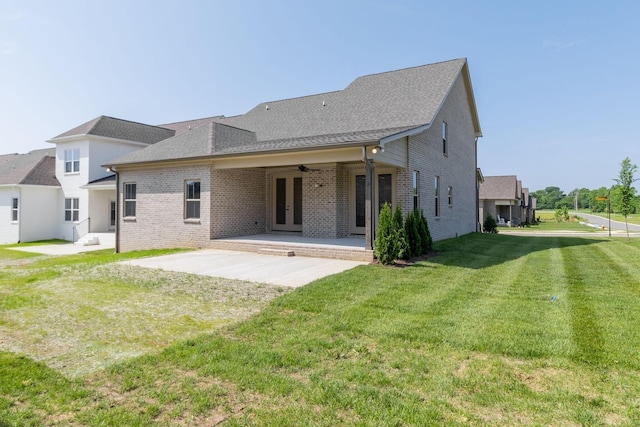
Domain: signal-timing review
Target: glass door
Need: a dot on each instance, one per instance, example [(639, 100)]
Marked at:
[(287, 203)]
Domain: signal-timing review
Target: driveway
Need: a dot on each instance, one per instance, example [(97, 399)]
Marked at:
[(279, 270)]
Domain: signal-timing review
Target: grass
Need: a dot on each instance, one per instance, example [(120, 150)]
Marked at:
[(495, 330)]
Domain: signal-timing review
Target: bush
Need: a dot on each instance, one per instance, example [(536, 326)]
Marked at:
[(413, 234), (490, 225), (398, 239), (386, 234), (402, 245), (425, 236), (562, 214)]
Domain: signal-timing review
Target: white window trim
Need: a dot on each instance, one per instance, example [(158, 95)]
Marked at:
[(125, 200), (187, 200), (72, 209), (74, 161), (15, 209)]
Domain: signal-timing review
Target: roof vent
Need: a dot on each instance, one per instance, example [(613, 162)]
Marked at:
[(323, 104), (266, 107)]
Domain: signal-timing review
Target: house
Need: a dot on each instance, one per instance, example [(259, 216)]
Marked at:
[(87, 198), (318, 166), (28, 187), (504, 198)]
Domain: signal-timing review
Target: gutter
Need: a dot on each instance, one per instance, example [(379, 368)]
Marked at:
[(112, 169)]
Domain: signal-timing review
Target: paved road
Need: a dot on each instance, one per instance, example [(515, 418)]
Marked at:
[(615, 225)]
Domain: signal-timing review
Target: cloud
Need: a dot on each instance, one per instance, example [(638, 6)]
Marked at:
[(562, 45), (8, 48)]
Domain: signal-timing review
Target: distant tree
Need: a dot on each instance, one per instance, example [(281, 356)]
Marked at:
[(548, 197), (596, 206), (583, 198), (625, 181)]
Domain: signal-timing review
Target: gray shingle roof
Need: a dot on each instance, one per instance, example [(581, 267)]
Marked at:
[(370, 108), (34, 168), (499, 188), (182, 127), (198, 142), (111, 127)]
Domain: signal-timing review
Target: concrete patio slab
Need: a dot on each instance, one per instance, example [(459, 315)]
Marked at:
[(292, 271)]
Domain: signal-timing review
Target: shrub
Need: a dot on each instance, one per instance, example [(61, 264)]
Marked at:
[(402, 245), (425, 235), (490, 225), (413, 234), (385, 244)]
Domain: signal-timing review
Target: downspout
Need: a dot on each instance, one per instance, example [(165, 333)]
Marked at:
[(478, 226), (117, 249)]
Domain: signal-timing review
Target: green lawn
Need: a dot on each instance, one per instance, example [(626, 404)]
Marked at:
[(495, 330)]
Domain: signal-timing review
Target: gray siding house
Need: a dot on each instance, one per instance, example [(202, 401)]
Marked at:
[(318, 166)]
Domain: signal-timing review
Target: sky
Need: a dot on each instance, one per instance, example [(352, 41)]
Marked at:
[(556, 83)]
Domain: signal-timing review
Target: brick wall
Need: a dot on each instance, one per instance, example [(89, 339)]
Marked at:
[(238, 202), (456, 169), (159, 220)]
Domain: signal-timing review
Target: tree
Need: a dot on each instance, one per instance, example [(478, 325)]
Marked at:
[(403, 251), (386, 235), (625, 181), (548, 197)]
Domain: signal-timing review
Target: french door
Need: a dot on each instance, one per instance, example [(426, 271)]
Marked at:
[(287, 203), (383, 193)]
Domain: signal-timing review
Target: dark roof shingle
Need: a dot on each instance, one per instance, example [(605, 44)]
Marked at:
[(111, 127), (34, 168)]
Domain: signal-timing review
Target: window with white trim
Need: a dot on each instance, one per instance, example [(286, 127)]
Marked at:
[(415, 190), (192, 199), (129, 200), (436, 184), (72, 161), (450, 195), (71, 209), (14, 209), (445, 149)]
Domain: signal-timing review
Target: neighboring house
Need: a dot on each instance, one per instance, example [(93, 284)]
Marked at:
[(315, 166), (87, 198), (504, 198), (28, 191), (500, 198)]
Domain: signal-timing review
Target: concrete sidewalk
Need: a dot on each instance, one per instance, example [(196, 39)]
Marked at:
[(292, 271)]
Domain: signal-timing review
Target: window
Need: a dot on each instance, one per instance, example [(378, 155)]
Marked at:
[(192, 199), (14, 209), (450, 195), (71, 209), (437, 195), (129, 200), (72, 161), (444, 138), (415, 192)]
